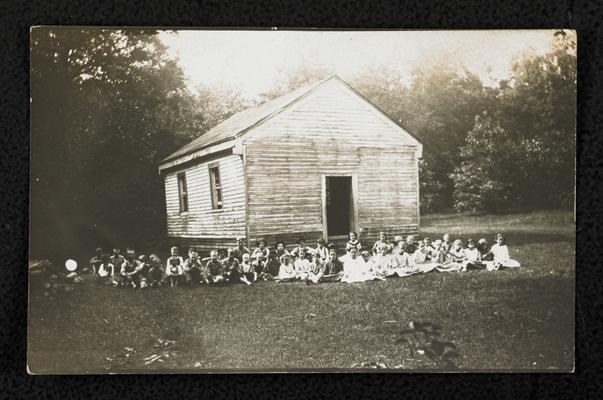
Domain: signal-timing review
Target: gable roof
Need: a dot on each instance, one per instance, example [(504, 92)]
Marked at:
[(244, 120)]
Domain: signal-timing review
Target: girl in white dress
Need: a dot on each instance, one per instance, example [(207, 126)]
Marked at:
[(444, 259), (381, 262), (286, 271), (423, 261), (500, 251), (302, 266), (357, 269)]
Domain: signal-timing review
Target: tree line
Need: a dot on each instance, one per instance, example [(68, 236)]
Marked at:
[(108, 105)]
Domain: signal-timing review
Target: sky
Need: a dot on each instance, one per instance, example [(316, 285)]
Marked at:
[(253, 61)]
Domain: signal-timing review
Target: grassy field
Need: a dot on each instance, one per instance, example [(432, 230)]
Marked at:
[(506, 320)]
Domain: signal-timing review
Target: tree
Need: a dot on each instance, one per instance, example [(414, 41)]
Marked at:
[(491, 168), (538, 107), (106, 106)]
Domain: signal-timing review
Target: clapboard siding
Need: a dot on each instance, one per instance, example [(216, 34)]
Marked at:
[(332, 131), (201, 220)]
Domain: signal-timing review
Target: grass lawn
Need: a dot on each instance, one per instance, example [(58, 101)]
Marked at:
[(505, 320)]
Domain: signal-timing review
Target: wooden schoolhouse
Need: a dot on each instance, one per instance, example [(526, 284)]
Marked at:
[(320, 161)]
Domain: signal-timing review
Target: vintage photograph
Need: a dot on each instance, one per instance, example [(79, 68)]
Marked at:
[(301, 200)]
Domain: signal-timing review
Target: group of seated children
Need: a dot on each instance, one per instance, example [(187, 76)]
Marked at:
[(303, 263)]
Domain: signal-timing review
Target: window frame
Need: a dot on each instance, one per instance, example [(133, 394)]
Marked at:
[(215, 186), (183, 205)]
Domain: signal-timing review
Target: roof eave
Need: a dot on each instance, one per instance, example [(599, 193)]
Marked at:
[(204, 151)]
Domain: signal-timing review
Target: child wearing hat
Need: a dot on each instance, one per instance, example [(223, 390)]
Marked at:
[(280, 250)]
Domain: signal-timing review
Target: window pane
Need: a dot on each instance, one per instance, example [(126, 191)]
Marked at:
[(215, 187), (182, 192)]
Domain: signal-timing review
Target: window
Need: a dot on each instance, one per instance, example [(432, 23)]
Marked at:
[(182, 192), (215, 186)]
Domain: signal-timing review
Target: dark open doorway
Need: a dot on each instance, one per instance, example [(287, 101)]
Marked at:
[(339, 205)]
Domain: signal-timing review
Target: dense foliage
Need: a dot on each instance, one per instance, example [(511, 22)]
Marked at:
[(106, 107)]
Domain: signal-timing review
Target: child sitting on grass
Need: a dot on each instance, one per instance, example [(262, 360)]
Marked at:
[(95, 261), (128, 269), (272, 267), (192, 269), (249, 274), (398, 247), (381, 262), (117, 260), (315, 267), (302, 266), (142, 271), (353, 242), (422, 259), (156, 272), (218, 270), (238, 251), (235, 272), (286, 271), (457, 254), (484, 250), (501, 257), (259, 256), (446, 245), (174, 271), (474, 260), (280, 250), (301, 245), (446, 261), (321, 250), (382, 241), (105, 272), (331, 270)]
